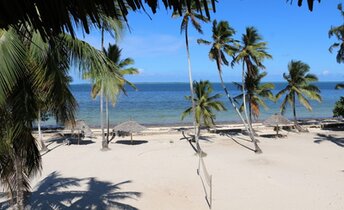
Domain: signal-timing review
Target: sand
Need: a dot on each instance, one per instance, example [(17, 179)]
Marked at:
[(300, 171)]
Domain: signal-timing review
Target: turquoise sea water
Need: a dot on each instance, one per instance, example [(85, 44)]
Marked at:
[(163, 103)]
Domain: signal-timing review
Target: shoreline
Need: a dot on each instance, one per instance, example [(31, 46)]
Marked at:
[(189, 124)]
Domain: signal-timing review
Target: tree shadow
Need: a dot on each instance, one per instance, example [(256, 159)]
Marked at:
[(239, 143), (323, 137), (57, 192), (129, 142), (70, 139)]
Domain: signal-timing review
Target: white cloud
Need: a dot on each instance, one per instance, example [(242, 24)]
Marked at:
[(325, 73)]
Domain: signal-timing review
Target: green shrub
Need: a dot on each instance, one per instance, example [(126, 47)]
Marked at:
[(338, 110)]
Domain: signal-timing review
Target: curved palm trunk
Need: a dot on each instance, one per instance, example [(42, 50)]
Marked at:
[(249, 119), (40, 136), (253, 139), (196, 128)]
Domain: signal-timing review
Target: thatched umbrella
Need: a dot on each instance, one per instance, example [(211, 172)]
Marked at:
[(130, 127), (276, 120), (79, 126)]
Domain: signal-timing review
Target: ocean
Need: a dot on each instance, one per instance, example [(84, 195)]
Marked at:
[(163, 103)]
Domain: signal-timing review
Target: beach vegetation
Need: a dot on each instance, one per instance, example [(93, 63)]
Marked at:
[(338, 110), (338, 33), (37, 67), (300, 86), (339, 86), (205, 105)]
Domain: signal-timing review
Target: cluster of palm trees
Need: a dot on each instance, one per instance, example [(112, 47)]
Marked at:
[(250, 52)]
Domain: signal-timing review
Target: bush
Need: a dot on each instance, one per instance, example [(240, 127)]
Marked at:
[(338, 110)]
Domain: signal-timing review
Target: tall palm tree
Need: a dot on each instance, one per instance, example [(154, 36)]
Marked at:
[(205, 104), (109, 25), (299, 85), (255, 93), (194, 17), (252, 52), (223, 43), (112, 86)]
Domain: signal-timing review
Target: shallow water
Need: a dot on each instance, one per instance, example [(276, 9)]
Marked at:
[(163, 103)]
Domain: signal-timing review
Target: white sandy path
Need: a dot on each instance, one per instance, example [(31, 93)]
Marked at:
[(292, 173)]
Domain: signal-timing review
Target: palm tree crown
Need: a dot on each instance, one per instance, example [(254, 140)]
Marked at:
[(222, 43), (205, 104), (299, 85), (256, 92), (338, 32)]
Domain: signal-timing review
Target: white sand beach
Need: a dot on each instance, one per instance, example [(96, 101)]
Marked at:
[(300, 171)]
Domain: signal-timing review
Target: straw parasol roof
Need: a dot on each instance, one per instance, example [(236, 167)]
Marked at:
[(276, 119), (130, 127)]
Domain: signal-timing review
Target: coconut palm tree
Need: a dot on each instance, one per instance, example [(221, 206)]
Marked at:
[(194, 17), (36, 64), (338, 32), (255, 93), (252, 52), (223, 43), (205, 104), (112, 85), (299, 85)]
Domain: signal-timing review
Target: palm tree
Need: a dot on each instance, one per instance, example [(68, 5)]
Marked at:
[(35, 64), (108, 24), (252, 52), (190, 14), (338, 32), (224, 43), (205, 104), (112, 86), (255, 93), (299, 85)]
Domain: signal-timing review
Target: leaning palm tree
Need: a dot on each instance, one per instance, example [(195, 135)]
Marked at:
[(191, 15), (224, 43), (251, 53), (112, 86), (299, 85), (205, 104), (256, 92)]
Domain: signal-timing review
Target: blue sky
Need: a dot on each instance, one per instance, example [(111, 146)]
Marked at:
[(292, 32)]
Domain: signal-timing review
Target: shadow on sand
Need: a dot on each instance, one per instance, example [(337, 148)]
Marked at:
[(323, 137), (57, 192), (129, 142)]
